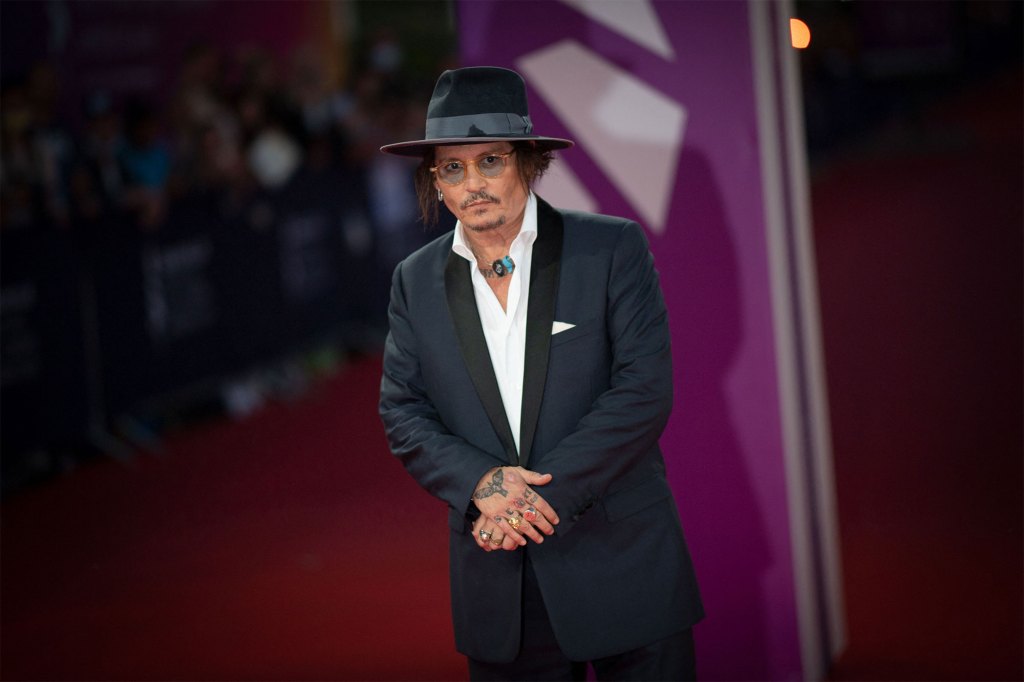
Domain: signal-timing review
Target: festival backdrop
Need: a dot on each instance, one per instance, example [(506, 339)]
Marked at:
[(662, 99)]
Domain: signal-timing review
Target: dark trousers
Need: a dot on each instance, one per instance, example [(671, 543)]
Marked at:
[(540, 658)]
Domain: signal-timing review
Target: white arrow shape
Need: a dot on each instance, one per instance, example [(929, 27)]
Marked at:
[(634, 19), (562, 188), (632, 131)]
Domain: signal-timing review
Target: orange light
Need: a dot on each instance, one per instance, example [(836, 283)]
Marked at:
[(799, 33)]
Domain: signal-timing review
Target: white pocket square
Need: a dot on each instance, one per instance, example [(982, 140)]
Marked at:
[(559, 327)]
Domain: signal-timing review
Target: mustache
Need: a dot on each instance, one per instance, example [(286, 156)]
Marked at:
[(479, 196)]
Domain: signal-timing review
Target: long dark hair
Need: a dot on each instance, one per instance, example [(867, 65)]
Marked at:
[(531, 161)]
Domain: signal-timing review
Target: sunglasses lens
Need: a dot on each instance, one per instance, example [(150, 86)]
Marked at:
[(452, 173), (491, 166)]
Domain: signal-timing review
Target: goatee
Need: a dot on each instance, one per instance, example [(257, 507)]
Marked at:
[(486, 227)]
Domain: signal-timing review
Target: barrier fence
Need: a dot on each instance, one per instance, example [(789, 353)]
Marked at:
[(111, 320)]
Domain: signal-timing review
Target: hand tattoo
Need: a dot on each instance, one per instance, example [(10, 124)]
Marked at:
[(530, 496), (493, 487)]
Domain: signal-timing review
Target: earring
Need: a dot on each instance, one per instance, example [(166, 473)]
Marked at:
[(440, 195)]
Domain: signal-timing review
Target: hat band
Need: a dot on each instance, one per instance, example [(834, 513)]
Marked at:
[(478, 125)]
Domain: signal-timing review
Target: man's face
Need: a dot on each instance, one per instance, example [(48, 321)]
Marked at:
[(481, 203)]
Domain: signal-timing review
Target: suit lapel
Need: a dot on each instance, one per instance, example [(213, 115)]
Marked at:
[(470, 332), (547, 254)]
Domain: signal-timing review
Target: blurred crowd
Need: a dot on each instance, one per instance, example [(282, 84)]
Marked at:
[(233, 126), (110, 210)]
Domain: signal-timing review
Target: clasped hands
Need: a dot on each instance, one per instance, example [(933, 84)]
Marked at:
[(510, 510)]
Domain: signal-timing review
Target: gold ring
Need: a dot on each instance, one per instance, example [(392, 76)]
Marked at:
[(514, 522)]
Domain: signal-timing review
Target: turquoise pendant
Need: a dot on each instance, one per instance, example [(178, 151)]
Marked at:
[(503, 267)]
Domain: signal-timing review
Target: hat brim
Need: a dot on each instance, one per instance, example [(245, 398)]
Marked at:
[(418, 147)]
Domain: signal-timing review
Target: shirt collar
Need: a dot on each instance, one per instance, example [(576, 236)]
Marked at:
[(527, 232)]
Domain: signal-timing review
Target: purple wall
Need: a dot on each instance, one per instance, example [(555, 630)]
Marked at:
[(724, 442)]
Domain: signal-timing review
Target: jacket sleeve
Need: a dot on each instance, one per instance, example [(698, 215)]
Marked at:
[(622, 427), (445, 465)]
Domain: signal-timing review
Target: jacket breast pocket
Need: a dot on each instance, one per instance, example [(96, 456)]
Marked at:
[(577, 332)]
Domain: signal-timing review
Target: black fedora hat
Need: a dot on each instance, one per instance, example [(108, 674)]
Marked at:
[(476, 104)]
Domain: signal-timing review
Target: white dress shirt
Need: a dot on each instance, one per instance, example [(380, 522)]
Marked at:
[(505, 330)]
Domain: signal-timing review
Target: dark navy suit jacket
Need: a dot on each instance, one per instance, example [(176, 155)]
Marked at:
[(616, 575)]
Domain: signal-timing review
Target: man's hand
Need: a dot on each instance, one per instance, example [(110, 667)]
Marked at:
[(510, 510), (496, 540)]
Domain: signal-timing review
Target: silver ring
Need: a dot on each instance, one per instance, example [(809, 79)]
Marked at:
[(485, 535)]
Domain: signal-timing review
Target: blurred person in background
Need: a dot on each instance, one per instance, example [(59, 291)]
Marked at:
[(98, 179), (147, 164), (37, 151), (17, 158), (207, 153), (527, 340), (271, 123), (392, 198), (376, 109), (54, 148)]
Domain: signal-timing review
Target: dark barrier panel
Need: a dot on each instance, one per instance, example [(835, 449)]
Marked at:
[(44, 380), (129, 321), (172, 311), (317, 273), (247, 274), (224, 286), (165, 311), (299, 267)]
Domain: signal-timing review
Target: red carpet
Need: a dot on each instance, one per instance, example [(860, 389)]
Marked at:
[(919, 259), (290, 545)]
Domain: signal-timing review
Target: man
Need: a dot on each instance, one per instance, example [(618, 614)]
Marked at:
[(527, 379)]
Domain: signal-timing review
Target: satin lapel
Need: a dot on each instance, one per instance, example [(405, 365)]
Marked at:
[(462, 306), (547, 256)]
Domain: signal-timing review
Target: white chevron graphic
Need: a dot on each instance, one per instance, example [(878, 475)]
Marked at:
[(634, 19), (561, 187), (632, 131)]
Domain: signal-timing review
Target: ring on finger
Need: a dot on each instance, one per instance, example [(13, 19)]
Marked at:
[(514, 522), (485, 535), (530, 514)]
